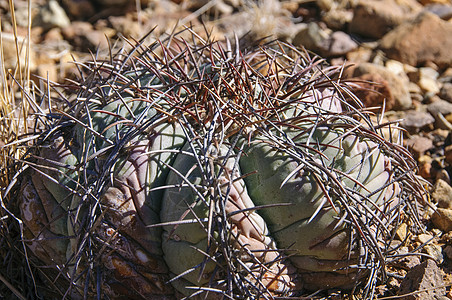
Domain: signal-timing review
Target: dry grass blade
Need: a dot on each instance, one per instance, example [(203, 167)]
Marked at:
[(16, 270)]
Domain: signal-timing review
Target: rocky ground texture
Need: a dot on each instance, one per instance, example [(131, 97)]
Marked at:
[(403, 46)]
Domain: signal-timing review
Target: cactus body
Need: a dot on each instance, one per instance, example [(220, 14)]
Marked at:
[(226, 175)]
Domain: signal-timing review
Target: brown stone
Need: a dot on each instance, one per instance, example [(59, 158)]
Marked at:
[(373, 90), (375, 18), (442, 219), (425, 170), (442, 194), (83, 36), (448, 154), (426, 276), (397, 83), (418, 145), (427, 38)]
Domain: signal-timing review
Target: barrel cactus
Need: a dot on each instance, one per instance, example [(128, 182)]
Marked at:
[(197, 169)]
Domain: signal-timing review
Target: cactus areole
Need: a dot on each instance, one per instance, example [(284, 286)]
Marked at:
[(201, 170)]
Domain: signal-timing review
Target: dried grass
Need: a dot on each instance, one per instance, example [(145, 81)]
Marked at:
[(16, 279)]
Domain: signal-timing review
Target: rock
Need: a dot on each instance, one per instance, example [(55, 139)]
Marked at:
[(410, 261), (402, 232), (446, 91), (83, 36), (375, 18), (325, 5), (428, 80), (435, 251), (426, 276), (416, 120), (446, 76), (414, 89), (425, 170), (339, 43), (290, 6), (448, 251), (218, 7), (323, 41), (373, 90), (360, 55), (448, 154), (418, 145), (112, 2), (442, 219), (417, 42), (312, 37), (337, 19), (407, 260), (47, 71), (442, 194), (442, 10), (440, 106), (447, 238), (424, 238), (398, 84), (395, 67), (427, 2), (51, 15), (79, 9), (125, 25), (438, 109), (53, 36), (443, 175)]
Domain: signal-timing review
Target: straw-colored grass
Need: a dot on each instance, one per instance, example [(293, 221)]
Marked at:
[(16, 279)]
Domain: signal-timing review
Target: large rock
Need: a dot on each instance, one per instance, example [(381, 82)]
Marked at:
[(398, 83), (425, 39), (426, 277), (375, 18)]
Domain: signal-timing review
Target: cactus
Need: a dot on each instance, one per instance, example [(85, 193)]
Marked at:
[(239, 174)]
